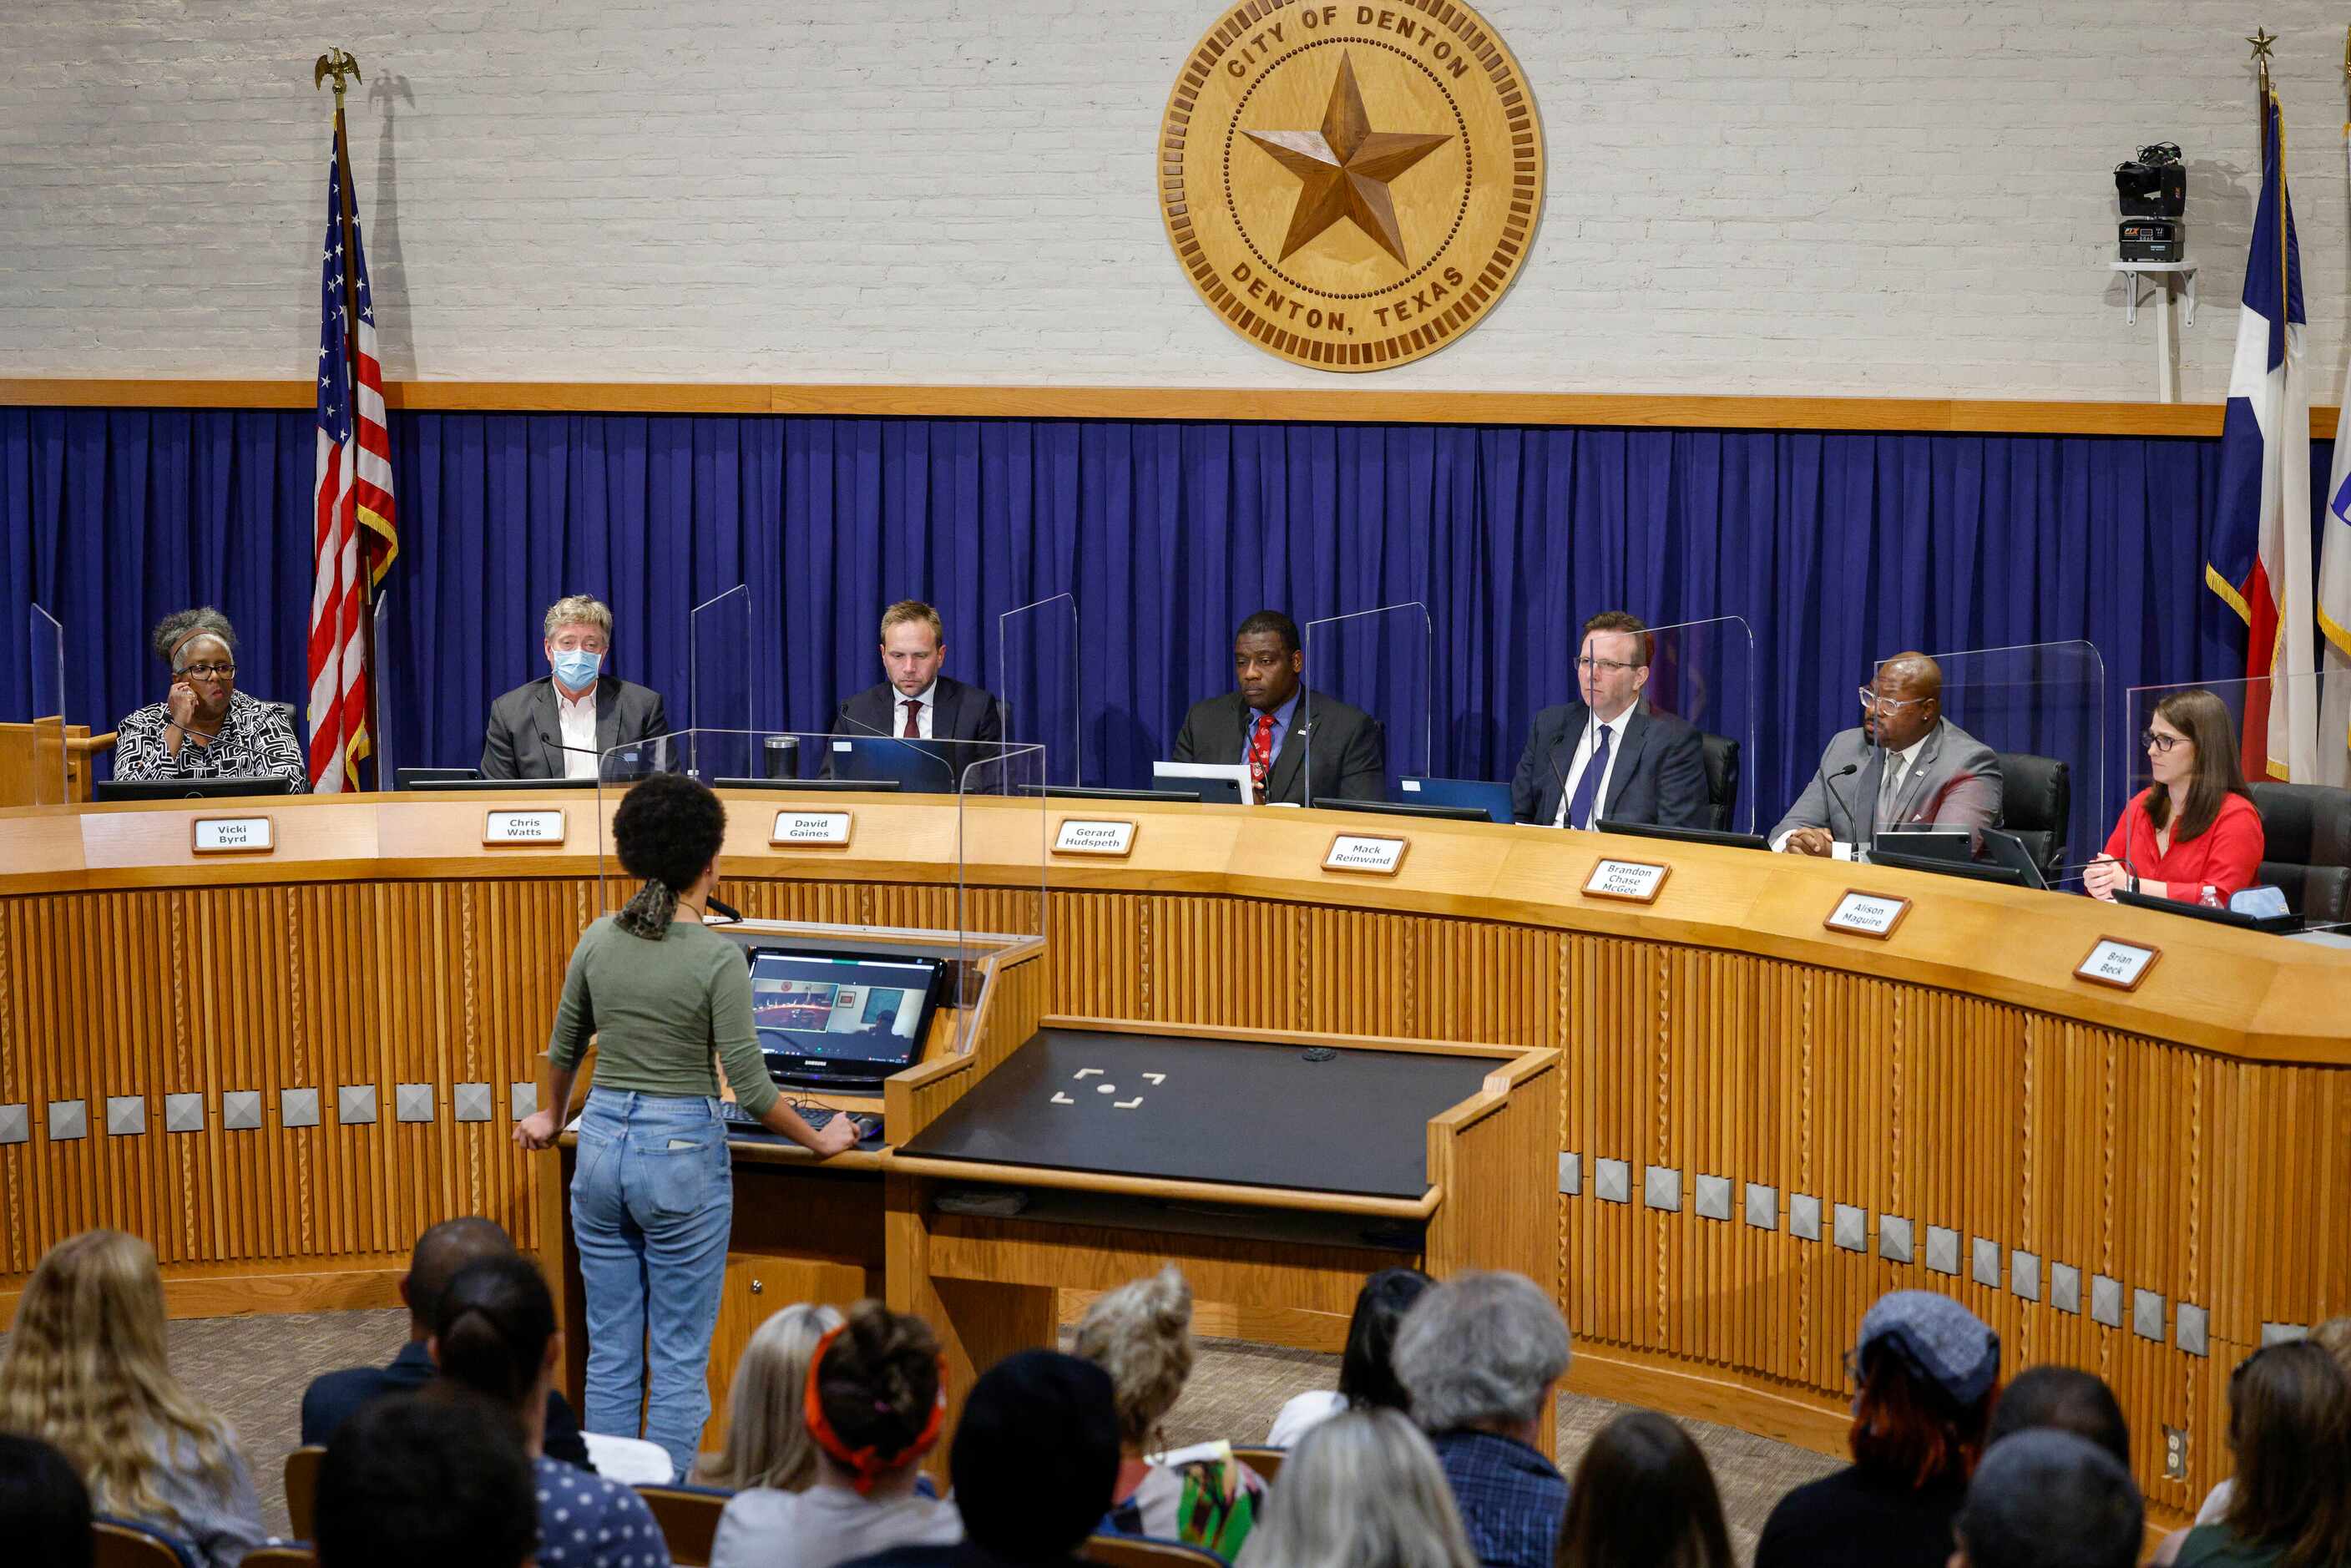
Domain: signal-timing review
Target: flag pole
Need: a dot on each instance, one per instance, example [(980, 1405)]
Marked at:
[(337, 63)]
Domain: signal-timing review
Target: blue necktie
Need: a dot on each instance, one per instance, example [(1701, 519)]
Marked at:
[(1587, 788)]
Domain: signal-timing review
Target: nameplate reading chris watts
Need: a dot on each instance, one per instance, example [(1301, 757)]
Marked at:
[(1365, 853), (810, 829), (540, 827), (1351, 187)]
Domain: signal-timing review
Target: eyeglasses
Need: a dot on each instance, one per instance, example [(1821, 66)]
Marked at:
[(2160, 745), (1871, 703), (209, 672), (1591, 666)]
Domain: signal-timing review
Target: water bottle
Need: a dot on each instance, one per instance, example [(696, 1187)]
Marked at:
[(2211, 899)]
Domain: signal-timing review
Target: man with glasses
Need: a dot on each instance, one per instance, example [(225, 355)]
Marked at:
[(1905, 767), (559, 725), (1611, 755)]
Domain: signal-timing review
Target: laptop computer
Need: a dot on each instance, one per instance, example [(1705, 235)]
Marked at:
[(915, 766), (1483, 794), (2002, 847), (1404, 809), (1217, 783), (1928, 843)]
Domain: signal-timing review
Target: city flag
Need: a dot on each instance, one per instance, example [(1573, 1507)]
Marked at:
[(2335, 600)]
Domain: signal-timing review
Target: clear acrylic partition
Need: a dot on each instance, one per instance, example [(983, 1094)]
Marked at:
[(718, 688), (1037, 658), (1703, 673), (1003, 826), (48, 666), (380, 743), (1382, 661), (2044, 700)]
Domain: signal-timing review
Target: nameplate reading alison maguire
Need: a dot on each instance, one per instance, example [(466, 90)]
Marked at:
[(1636, 882), (810, 829), (541, 826), (1350, 186), (1867, 914), (1365, 852), (1082, 836), (234, 836)]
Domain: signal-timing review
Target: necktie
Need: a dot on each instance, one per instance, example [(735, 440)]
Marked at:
[(1260, 755), (913, 731), (1895, 767), (1587, 788)]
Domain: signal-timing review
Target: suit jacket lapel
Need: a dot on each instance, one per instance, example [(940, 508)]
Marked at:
[(1636, 735), (547, 719), (947, 701), (1914, 783), (608, 714)]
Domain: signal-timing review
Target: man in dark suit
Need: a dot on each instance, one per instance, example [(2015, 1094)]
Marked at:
[(1611, 755), (438, 1256), (559, 725), (917, 702), (1267, 721)]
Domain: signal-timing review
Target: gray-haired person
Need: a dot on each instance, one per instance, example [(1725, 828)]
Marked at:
[(204, 728), (558, 725), (1478, 1355)]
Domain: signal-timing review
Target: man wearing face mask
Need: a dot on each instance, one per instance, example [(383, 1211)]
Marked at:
[(556, 727)]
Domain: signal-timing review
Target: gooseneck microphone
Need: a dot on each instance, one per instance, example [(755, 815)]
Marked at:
[(1828, 785), (914, 744), (719, 907)]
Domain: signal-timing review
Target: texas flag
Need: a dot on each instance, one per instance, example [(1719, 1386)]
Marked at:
[(2260, 547), (2334, 601)]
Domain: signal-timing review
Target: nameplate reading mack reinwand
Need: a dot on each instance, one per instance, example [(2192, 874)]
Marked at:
[(1361, 851), (810, 829), (233, 835), (542, 827), (1087, 836)]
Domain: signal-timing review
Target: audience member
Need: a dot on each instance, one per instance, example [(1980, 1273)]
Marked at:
[(1035, 1458), (2333, 1336), (876, 1395), (1366, 1379), (439, 1253), (1363, 1490), (1643, 1496), (2290, 1500), (494, 1335), (86, 1371), (1926, 1368), (44, 1507), (767, 1442), (436, 1479), (2065, 1398), (2047, 1497), (1477, 1356), (1141, 1333)]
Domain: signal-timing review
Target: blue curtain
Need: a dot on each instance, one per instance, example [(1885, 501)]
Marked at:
[(1837, 548)]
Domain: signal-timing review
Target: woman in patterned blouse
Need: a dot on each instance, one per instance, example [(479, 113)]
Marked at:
[(204, 728)]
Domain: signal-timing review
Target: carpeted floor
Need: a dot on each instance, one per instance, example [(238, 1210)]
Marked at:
[(253, 1371)]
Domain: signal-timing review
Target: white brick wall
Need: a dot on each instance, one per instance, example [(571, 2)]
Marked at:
[(1872, 196)]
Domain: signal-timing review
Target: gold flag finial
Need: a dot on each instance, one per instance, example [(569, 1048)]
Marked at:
[(337, 64), (2262, 40)]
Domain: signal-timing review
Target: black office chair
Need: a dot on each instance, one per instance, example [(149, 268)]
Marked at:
[(2306, 852), (1720, 754), (2036, 799)]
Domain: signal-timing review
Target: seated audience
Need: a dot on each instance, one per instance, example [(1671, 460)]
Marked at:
[(1263, 723), (439, 1253), (2068, 1399), (1905, 768), (1927, 1369), (436, 1479), (1141, 1333), (495, 1336), (559, 726), (767, 1442), (2195, 833), (2290, 1502), (1366, 1379), (44, 1507), (1035, 1458), (2333, 1336), (204, 728), (1644, 1498), (1610, 754), (1477, 1356), (1363, 1490), (86, 1372), (2049, 1499), (876, 1395)]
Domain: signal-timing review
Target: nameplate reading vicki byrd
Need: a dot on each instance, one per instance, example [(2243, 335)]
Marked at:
[(1637, 882), (233, 835), (1082, 836), (523, 828), (813, 830), (1868, 915), (2121, 965), (1361, 851)]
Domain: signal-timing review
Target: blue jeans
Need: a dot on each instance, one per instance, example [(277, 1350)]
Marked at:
[(652, 1201)]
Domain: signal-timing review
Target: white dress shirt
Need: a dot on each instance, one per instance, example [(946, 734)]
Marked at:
[(929, 710), (577, 717), (1584, 749), (1889, 788)]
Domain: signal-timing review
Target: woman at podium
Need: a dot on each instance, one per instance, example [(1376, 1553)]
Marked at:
[(204, 728), (2195, 833)]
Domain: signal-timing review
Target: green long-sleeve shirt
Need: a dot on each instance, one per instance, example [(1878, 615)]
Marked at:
[(664, 1013)]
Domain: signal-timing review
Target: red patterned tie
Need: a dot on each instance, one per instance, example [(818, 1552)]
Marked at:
[(1260, 758), (913, 731)]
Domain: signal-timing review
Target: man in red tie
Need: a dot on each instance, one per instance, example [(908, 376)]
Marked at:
[(1266, 720), (918, 702)]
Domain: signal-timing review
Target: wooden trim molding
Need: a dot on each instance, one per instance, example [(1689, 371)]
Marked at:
[(1988, 416)]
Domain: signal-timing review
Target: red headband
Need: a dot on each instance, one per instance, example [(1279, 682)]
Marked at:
[(869, 1462)]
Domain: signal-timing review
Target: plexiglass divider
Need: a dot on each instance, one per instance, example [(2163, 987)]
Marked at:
[(1037, 660), (1382, 661), (1003, 848), (50, 785), (1703, 673), (718, 688), (382, 673)]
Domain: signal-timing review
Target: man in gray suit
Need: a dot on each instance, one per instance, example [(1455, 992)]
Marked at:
[(1272, 722), (559, 725), (1907, 767)]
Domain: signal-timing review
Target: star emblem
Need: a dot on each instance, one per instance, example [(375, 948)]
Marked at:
[(2262, 40), (1344, 170)]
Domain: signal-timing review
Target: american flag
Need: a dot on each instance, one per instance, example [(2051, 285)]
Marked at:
[(352, 503)]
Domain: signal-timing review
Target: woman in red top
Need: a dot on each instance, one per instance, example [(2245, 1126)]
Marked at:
[(2196, 835)]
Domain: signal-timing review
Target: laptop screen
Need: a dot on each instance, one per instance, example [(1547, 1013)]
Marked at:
[(836, 1015)]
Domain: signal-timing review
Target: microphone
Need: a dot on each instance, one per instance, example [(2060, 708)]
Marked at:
[(1828, 785), (914, 744), (719, 906), (1580, 736)]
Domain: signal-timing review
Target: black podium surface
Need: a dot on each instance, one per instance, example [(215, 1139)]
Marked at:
[(1188, 1109)]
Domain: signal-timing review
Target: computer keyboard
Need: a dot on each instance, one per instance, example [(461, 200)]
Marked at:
[(867, 1124)]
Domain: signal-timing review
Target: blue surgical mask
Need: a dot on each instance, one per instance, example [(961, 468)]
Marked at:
[(576, 668)]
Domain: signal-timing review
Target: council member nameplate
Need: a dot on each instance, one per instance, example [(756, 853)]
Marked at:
[(810, 829), (1366, 853), (2122, 965), (1871, 914), (540, 827), (234, 836), (1093, 836), (1635, 881)]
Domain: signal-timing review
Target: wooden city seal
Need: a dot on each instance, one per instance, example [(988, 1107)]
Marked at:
[(1351, 186)]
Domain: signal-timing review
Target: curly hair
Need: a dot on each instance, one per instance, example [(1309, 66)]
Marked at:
[(879, 1379), (182, 624), (767, 1442), (668, 830), (1141, 1333)]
